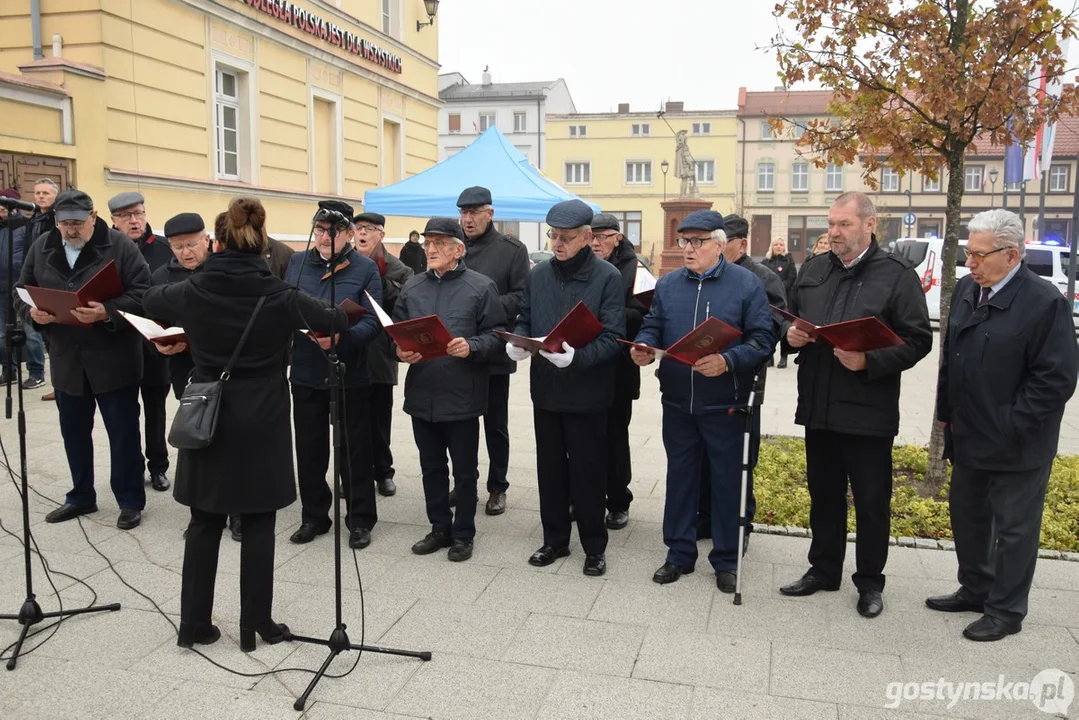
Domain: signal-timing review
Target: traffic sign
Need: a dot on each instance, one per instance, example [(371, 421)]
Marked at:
[(909, 219)]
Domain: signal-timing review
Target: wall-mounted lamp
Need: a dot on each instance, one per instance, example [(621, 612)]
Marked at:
[(431, 6)]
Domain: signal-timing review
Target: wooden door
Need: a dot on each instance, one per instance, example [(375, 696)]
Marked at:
[(760, 235)]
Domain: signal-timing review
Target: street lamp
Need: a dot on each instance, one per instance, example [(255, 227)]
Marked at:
[(664, 166), (431, 7), (993, 174)]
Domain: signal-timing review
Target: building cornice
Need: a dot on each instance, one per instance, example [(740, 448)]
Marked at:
[(32, 84), (60, 63), (122, 176), (636, 115)]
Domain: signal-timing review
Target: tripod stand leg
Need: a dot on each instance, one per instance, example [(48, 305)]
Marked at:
[(14, 659), (302, 700)]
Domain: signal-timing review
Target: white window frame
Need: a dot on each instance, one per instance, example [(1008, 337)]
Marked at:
[(799, 176), (767, 133), (223, 102), (339, 149), (1055, 174), (766, 171), (449, 128), (929, 185), (390, 18), (645, 174), (890, 180), (702, 128), (578, 131), (247, 130), (975, 173), (522, 125), (831, 172), (581, 172), (706, 165), (640, 130), (484, 115)]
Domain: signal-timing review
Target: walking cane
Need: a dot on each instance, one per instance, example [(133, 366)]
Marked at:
[(747, 411)]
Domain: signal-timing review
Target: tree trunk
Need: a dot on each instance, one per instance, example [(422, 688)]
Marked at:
[(936, 472)]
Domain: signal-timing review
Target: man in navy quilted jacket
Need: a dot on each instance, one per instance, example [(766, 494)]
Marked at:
[(696, 399)]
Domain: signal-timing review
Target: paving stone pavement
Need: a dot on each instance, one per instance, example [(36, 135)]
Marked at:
[(509, 640)]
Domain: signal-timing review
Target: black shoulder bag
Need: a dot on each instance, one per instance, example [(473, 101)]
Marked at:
[(195, 422)]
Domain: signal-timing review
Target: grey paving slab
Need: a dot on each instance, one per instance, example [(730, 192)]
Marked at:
[(433, 576), (768, 618), (370, 613), (710, 703), (1057, 575), (860, 712), (332, 711), (704, 659), (541, 592), (203, 700), (589, 697), (456, 628), (839, 676), (676, 606), (234, 668), (570, 644)]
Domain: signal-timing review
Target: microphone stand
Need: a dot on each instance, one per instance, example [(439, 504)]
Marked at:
[(339, 641), (30, 613)]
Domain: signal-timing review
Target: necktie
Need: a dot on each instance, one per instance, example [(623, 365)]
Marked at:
[(985, 296)]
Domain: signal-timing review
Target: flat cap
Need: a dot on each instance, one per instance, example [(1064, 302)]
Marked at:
[(702, 220), (569, 214), (125, 199), (605, 221), (735, 226), (338, 207), (444, 226), (72, 205), (10, 193), (370, 218), (184, 224), (473, 196)]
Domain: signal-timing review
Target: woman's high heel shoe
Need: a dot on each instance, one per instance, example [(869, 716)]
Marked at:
[(205, 634), (270, 632)]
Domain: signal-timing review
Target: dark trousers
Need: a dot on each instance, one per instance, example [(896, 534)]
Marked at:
[(461, 438), (497, 432), (688, 439), (200, 567), (571, 467), (380, 404), (311, 415), (153, 418), (619, 470), (996, 519), (833, 459), (120, 412), (704, 513)]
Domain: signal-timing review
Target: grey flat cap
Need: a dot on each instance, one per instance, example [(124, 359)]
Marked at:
[(735, 226), (72, 205), (474, 196), (605, 221), (569, 214), (125, 200)]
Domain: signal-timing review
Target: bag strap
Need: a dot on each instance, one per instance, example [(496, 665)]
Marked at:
[(227, 372)]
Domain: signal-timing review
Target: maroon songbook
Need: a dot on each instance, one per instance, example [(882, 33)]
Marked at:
[(861, 335), (708, 338), (103, 286), (578, 328), (352, 309), (425, 335)]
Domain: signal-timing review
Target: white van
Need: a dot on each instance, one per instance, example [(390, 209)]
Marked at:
[(1047, 261)]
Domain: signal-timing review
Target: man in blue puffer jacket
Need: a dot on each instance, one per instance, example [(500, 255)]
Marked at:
[(696, 400)]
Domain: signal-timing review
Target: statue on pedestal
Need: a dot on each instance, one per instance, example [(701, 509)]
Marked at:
[(685, 167)]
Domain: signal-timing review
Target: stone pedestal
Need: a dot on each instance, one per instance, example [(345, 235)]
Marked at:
[(674, 212)]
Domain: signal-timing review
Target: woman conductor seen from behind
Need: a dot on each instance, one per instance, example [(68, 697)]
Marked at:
[(247, 469)]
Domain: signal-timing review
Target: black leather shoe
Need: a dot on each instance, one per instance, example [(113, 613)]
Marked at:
[(359, 538), (270, 632), (956, 602), (236, 528), (726, 581), (807, 585), (595, 565), (68, 512), (496, 503), (989, 629), (670, 573), (431, 543), (453, 497), (617, 519), (870, 603), (159, 481), (460, 550), (386, 487), (188, 635), (547, 555), (129, 519), (308, 532)]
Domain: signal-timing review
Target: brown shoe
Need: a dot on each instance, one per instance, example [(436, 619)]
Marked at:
[(49, 396), (496, 504)]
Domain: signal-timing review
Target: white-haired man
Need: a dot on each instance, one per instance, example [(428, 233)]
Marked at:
[(1008, 368)]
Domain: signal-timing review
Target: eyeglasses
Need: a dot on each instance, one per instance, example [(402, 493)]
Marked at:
[(604, 236), (695, 242), (555, 237), (472, 212), (189, 245), (131, 214), (438, 244), (983, 255), (71, 224), (369, 228)]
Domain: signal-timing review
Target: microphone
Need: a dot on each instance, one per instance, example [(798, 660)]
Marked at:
[(13, 204), (332, 216)]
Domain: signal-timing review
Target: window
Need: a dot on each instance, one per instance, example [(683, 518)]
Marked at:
[(639, 173), (766, 177), (833, 178), (227, 123), (630, 222), (486, 120), (973, 178), (641, 129), (706, 172), (577, 130), (578, 173), (702, 128), (930, 185), (766, 130), (1058, 178), (800, 177), (798, 131), (520, 122), (889, 180), (390, 17), (1040, 262), (509, 227), (455, 123)]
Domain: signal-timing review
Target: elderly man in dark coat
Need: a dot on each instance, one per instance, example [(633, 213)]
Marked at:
[(96, 364), (1008, 368)]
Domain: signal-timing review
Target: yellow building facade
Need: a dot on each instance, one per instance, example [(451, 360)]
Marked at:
[(193, 102), (616, 160)]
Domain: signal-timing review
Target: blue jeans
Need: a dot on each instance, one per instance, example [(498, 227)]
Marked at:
[(34, 354)]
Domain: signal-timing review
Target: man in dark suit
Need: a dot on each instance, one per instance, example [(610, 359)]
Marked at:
[(1009, 364), (97, 363)]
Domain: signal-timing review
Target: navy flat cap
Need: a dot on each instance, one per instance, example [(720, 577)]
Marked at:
[(474, 196), (569, 214), (125, 200), (184, 224), (735, 226), (702, 220), (370, 218), (338, 207), (444, 226), (605, 221)]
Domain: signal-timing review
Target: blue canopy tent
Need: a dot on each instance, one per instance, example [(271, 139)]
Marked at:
[(519, 191)]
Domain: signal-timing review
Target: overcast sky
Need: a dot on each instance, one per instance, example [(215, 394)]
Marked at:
[(609, 51)]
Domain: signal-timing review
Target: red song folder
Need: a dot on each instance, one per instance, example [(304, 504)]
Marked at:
[(861, 335), (104, 285), (426, 335), (578, 328), (708, 338), (352, 309)]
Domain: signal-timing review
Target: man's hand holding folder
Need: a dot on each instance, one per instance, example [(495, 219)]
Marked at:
[(423, 338), (82, 307), (699, 348), (850, 339)]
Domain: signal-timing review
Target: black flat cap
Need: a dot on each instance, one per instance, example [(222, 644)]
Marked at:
[(72, 205), (735, 226), (444, 226), (569, 214), (702, 220), (605, 221), (473, 196), (370, 218), (184, 224), (125, 200), (337, 206)]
